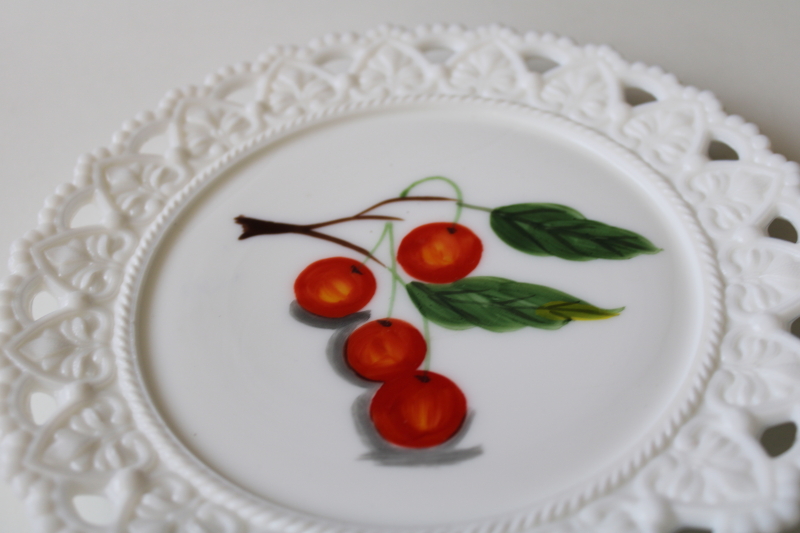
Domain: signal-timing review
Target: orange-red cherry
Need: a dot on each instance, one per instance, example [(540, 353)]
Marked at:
[(441, 252), (418, 410), (334, 287), (384, 349)]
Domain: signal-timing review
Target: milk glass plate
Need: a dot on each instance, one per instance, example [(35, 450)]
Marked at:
[(432, 280)]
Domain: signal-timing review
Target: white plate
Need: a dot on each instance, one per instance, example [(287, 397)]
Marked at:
[(187, 393)]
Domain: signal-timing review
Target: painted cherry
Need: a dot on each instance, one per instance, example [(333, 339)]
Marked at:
[(384, 349), (418, 410), (441, 252), (334, 287)]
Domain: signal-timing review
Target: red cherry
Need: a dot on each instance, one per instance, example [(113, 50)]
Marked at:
[(441, 252), (334, 287), (383, 349), (418, 410)]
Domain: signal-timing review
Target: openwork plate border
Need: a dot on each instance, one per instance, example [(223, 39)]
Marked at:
[(711, 473)]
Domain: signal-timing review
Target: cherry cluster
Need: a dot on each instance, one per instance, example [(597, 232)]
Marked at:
[(412, 408)]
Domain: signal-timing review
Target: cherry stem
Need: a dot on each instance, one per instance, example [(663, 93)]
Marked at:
[(393, 268), (456, 189), (380, 240), (408, 199), (476, 207), (426, 333)]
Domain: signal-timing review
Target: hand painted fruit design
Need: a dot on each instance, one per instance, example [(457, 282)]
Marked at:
[(414, 409), (334, 287), (442, 252), (384, 349), (418, 409)]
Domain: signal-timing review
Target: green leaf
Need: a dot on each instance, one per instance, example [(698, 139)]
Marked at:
[(552, 229), (498, 304), (575, 311)]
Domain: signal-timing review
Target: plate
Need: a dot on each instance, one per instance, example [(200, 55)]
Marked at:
[(441, 279)]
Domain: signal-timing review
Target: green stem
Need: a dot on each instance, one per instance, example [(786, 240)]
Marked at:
[(396, 276), (392, 268), (456, 189), (426, 333), (388, 230), (476, 207), (377, 244)]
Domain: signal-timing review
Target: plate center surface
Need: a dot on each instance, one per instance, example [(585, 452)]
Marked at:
[(250, 392)]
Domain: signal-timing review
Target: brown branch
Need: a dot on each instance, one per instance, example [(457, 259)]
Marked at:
[(344, 243), (348, 219), (254, 226), (408, 199)]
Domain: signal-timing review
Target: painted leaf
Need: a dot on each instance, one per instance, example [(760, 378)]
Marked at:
[(576, 311), (552, 229), (498, 304)]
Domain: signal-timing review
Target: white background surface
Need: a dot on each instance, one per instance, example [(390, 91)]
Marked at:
[(73, 71)]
